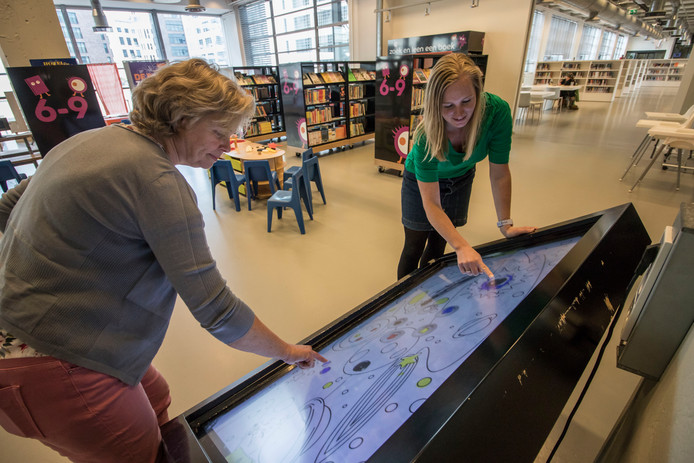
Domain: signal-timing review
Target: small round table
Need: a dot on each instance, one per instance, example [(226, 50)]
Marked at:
[(259, 153)]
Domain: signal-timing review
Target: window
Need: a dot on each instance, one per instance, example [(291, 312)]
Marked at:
[(283, 31), (77, 32), (85, 59), (82, 47), (129, 41), (561, 33), (607, 45), (534, 41), (122, 40), (588, 48), (179, 52), (210, 39), (178, 39), (620, 48), (72, 17)]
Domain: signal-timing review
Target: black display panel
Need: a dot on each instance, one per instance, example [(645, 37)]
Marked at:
[(382, 369), (440, 364)]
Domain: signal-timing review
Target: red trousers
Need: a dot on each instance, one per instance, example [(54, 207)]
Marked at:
[(84, 415)]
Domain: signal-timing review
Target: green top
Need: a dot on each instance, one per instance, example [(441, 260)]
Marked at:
[(494, 140)]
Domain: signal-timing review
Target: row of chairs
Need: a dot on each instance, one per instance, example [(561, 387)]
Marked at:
[(670, 130), (295, 190)]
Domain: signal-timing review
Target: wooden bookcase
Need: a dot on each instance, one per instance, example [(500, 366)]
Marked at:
[(319, 111), (400, 84), (264, 84)]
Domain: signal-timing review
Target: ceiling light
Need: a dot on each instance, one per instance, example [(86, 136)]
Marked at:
[(427, 9), (387, 17), (100, 22), (194, 6)]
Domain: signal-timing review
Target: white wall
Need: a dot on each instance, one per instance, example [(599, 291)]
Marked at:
[(505, 34)]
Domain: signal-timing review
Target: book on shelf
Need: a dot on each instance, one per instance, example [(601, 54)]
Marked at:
[(332, 77), (357, 109), (359, 74), (260, 111), (356, 128), (264, 126), (356, 91), (243, 79), (419, 77), (311, 78)]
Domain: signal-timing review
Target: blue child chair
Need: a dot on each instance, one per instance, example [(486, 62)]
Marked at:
[(283, 198), (222, 171), (8, 172), (259, 171), (293, 169)]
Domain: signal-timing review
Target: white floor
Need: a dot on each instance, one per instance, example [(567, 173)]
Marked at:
[(565, 166)]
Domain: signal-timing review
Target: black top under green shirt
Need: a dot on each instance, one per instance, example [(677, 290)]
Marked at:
[(494, 141)]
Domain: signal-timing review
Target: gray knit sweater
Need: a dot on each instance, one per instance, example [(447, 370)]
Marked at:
[(95, 247)]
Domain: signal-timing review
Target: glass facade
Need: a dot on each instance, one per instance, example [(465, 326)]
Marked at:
[(289, 31)]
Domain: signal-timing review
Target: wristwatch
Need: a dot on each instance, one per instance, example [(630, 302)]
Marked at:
[(504, 222)]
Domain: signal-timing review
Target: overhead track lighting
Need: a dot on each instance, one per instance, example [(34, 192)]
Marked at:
[(100, 22), (194, 6)]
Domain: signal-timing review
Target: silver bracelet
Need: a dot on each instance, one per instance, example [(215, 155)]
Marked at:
[(504, 222)]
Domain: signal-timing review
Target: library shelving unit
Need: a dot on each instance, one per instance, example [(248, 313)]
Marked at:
[(547, 73), (598, 79), (361, 97), (319, 110), (400, 84), (602, 79), (264, 84), (664, 72)]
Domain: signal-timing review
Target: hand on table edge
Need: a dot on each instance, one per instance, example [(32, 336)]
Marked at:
[(509, 231)]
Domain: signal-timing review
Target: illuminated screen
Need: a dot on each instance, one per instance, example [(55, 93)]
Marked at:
[(380, 371)]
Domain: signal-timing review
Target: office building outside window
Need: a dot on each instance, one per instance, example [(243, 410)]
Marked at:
[(287, 31)]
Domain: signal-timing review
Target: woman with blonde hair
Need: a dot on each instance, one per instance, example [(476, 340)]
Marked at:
[(461, 126), (95, 248)]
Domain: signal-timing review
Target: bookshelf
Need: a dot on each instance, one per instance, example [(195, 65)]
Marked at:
[(361, 97), (323, 108), (599, 79), (664, 72), (400, 84), (602, 79), (264, 84)]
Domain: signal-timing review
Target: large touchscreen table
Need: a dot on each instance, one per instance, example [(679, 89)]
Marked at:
[(441, 366), (382, 369)]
